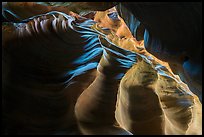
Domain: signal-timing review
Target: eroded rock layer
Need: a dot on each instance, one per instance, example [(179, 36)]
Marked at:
[(65, 73)]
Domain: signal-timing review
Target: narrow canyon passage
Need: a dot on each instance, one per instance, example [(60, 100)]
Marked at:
[(77, 68)]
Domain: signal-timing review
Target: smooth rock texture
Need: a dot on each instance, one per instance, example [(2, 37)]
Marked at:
[(69, 74), (172, 34), (42, 78), (140, 95)]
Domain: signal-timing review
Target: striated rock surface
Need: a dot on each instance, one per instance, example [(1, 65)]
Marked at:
[(68, 74), (150, 94), (42, 78)]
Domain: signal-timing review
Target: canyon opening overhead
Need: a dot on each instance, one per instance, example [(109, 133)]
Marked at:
[(102, 68)]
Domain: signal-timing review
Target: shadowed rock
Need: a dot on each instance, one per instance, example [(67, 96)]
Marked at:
[(95, 107), (50, 59), (47, 62)]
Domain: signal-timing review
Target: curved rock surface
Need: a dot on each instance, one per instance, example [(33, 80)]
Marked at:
[(150, 93), (172, 33), (43, 79)]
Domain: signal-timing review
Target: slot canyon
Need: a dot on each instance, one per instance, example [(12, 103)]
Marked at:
[(101, 68)]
